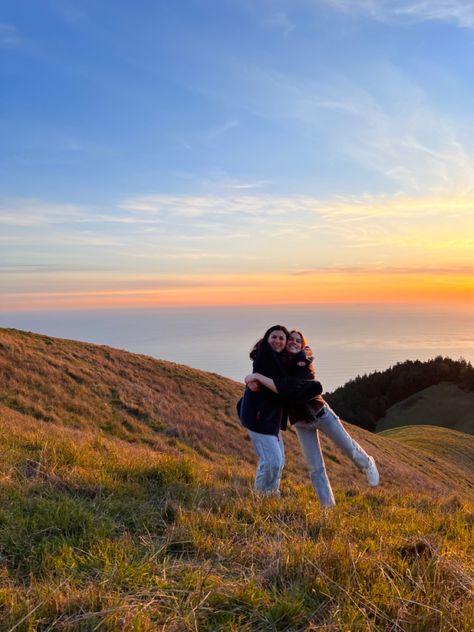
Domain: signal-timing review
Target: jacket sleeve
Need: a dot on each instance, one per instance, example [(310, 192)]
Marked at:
[(293, 389)]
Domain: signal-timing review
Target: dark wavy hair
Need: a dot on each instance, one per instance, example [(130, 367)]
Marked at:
[(263, 342)]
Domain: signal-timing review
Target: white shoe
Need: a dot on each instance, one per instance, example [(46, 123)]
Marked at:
[(372, 473)]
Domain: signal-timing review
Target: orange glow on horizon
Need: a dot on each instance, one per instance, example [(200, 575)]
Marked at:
[(228, 290)]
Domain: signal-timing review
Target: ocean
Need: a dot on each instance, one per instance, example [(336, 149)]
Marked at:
[(347, 340)]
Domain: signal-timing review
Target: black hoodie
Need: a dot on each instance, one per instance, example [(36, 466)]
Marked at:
[(263, 411)]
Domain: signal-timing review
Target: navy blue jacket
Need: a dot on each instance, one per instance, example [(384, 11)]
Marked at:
[(264, 411)]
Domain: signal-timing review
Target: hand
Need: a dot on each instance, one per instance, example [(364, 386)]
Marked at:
[(252, 377), (254, 386)]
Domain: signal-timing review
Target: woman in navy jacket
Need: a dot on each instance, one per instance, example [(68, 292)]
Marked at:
[(262, 413)]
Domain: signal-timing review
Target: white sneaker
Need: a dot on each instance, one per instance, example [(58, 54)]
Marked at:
[(372, 473)]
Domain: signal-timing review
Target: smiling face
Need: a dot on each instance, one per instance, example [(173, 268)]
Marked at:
[(295, 342), (277, 340)]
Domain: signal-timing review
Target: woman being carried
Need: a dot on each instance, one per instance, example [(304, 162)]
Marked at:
[(261, 411), (309, 414)]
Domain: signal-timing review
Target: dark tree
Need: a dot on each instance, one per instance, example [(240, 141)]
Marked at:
[(365, 399)]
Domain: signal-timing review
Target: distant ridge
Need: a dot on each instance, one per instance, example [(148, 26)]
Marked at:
[(366, 399), (443, 404)]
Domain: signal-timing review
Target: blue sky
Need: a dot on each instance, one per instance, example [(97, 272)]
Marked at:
[(162, 144)]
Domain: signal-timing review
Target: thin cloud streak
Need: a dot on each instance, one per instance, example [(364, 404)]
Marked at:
[(219, 130), (389, 270), (459, 12), (10, 38), (30, 213), (280, 20), (339, 208), (213, 213)]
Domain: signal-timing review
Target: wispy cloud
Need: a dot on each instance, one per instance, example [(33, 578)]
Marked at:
[(68, 10), (207, 211), (218, 181), (236, 184), (219, 130), (49, 269), (418, 149), (459, 12), (30, 213), (280, 20), (205, 206), (335, 209), (188, 233), (402, 207), (390, 126), (11, 39), (41, 213), (389, 270)]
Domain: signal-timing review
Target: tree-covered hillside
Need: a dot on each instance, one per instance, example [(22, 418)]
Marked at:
[(366, 399)]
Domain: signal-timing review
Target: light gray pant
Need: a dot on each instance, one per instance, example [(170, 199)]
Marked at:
[(308, 435), (271, 461)]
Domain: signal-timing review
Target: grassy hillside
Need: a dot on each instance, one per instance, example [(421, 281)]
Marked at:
[(366, 399), (124, 395), (126, 504), (97, 533), (445, 445), (439, 405), (168, 407)]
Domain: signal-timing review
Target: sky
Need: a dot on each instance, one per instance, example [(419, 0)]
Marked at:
[(232, 152)]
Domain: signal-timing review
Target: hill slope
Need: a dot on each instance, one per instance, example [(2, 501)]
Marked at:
[(439, 405), (448, 450), (366, 399), (97, 533), (170, 408), (123, 506)]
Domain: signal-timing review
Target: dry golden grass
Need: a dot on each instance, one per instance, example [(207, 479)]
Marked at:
[(126, 503), (170, 407), (97, 533)]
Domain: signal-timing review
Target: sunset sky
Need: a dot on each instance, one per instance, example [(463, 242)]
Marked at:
[(200, 152)]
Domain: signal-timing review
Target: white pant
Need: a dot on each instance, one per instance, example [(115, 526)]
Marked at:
[(308, 436), (271, 460)]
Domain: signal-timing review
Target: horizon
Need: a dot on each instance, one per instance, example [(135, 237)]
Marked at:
[(211, 154), (356, 340)]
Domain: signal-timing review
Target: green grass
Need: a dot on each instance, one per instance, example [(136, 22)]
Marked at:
[(440, 405), (445, 447), (96, 534)]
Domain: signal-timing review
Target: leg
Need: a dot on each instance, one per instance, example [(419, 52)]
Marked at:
[(331, 425), (309, 442), (281, 445), (270, 462)]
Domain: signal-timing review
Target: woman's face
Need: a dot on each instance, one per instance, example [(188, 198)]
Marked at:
[(295, 344), (277, 340)]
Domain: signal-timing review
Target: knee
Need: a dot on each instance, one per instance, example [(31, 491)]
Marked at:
[(317, 471), (274, 465)]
